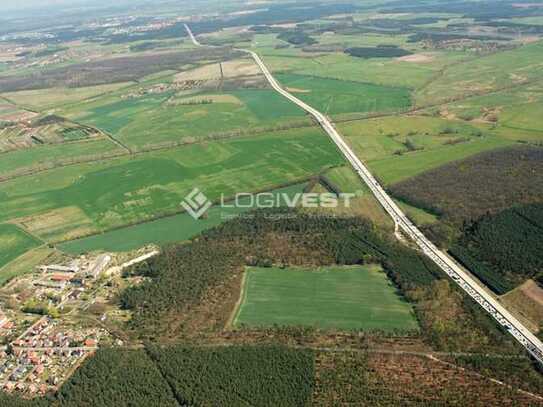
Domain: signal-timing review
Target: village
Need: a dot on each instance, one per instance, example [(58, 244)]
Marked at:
[(44, 335)]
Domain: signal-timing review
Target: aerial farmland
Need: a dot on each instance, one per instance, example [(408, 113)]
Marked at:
[(313, 202)]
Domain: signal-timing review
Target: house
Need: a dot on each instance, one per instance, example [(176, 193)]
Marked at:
[(3, 319), (61, 277), (89, 343), (55, 267)]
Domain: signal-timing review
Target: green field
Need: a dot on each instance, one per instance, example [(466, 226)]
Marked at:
[(79, 200), (24, 264), (159, 118), (384, 137), (379, 71), (398, 168), (482, 75), (347, 298), (335, 96), (44, 99), (14, 242), (50, 155), (162, 231)]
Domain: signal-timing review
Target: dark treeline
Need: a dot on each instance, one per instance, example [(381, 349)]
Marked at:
[(377, 52), (178, 279), (504, 249), (488, 10), (113, 70), (450, 36), (297, 37), (183, 273), (237, 375), (489, 182)]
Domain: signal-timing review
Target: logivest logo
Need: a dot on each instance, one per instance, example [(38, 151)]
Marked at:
[(197, 204)]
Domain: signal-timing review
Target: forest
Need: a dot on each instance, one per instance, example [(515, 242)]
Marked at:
[(113, 70), (504, 249), (377, 52), (237, 375), (177, 281), (181, 275), (489, 182)]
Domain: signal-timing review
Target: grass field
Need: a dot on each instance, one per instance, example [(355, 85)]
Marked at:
[(45, 99), (24, 264), (346, 298), (384, 137), (380, 71), (398, 168), (335, 96), (492, 72), (75, 201), (162, 231), (14, 242), (159, 118), (38, 156)]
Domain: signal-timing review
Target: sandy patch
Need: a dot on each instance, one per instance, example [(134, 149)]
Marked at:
[(529, 39), (417, 58), (230, 69), (517, 78), (285, 25), (526, 301), (527, 5), (202, 99), (297, 90), (55, 222), (533, 291), (245, 12)]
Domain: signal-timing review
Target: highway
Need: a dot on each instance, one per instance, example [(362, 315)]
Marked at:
[(473, 288), (192, 37)]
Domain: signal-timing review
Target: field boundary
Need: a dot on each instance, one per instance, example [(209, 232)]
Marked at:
[(30, 171), (231, 322), (181, 210)]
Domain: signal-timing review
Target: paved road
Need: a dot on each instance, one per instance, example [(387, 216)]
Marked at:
[(473, 288), (192, 37)]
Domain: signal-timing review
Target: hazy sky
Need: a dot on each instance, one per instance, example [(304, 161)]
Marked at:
[(22, 4)]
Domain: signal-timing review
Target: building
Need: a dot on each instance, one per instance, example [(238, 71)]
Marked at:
[(3, 319), (56, 268), (89, 343), (99, 265)]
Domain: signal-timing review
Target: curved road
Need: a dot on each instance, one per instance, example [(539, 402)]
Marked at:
[(473, 288)]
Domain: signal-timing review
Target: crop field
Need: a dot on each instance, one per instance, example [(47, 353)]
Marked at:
[(100, 196), (411, 73), (25, 263), (46, 99), (14, 242), (335, 96), (154, 119), (391, 136), (398, 168), (488, 73), (346, 298), (162, 231), (46, 156)]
